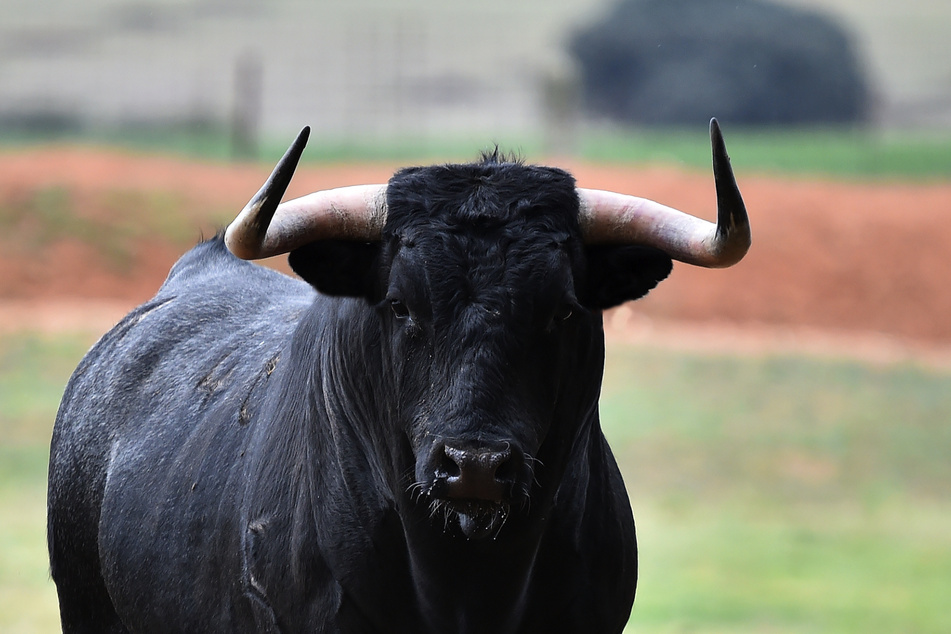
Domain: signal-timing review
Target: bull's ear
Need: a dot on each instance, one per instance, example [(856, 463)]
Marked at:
[(617, 274), (337, 267)]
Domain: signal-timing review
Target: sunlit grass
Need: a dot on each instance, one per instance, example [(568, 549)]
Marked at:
[(33, 373)]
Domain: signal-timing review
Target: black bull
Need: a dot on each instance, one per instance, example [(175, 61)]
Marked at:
[(415, 447)]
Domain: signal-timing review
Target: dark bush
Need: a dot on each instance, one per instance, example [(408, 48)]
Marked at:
[(669, 62), (40, 122)]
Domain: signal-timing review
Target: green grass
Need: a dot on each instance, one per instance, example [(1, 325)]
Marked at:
[(778, 494), (838, 152), (772, 494), (805, 429), (833, 152), (27, 596), (832, 568), (33, 372), (841, 153), (206, 141)]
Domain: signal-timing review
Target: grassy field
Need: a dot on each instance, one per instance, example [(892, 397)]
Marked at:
[(840, 153), (779, 494), (837, 152), (833, 152), (772, 494), (33, 372)]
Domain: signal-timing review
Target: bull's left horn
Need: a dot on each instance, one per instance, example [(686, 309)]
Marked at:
[(608, 217), (267, 227)]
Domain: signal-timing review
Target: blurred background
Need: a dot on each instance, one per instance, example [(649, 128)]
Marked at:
[(364, 70), (784, 426)]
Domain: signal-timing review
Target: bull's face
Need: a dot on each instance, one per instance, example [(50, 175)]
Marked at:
[(481, 325), (489, 308)]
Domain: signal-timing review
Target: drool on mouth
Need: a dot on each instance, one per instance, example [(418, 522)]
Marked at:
[(476, 519)]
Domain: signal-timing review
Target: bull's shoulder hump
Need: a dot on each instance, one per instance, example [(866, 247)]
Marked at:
[(211, 306), (210, 266), (211, 294)]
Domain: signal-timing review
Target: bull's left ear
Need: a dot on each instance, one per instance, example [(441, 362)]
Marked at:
[(617, 274), (337, 267)]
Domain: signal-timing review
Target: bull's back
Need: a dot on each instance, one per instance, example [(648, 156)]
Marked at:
[(147, 453)]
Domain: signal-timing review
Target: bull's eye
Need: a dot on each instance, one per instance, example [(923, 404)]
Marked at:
[(564, 312), (399, 309), (561, 314)]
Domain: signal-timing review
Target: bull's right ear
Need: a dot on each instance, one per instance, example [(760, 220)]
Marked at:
[(617, 274), (341, 268)]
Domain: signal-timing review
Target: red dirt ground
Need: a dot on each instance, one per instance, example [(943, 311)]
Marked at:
[(839, 260)]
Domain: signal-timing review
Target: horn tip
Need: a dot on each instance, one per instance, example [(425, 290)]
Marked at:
[(716, 135), (297, 147)]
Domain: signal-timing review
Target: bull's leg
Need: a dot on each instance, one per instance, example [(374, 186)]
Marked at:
[(87, 609), (72, 539), (84, 602)]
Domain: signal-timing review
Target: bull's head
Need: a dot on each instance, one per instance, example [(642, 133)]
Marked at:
[(488, 280)]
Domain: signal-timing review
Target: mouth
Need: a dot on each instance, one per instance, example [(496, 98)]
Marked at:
[(475, 519)]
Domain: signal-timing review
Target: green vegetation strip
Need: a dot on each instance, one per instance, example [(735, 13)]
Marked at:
[(840, 152), (772, 494), (853, 154)]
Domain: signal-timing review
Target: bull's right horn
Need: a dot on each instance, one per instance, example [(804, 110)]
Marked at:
[(608, 217), (265, 228)]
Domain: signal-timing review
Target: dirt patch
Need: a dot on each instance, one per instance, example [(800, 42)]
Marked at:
[(105, 224), (866, 260), (834, 256)]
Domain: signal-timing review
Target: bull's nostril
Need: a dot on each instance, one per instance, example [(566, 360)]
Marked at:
[(446, 465), (506, 471)]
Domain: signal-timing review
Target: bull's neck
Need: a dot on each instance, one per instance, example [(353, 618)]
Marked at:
[(338, 345), (468, 586), (334, 463)]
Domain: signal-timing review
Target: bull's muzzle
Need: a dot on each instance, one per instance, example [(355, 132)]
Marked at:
[(474, 485), (476, 473)]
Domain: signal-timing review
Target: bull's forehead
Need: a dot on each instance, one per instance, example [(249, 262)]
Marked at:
[(503, 236), (488, 197)]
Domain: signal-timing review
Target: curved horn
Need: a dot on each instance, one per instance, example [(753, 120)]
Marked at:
[(265, 228), (608, 217)]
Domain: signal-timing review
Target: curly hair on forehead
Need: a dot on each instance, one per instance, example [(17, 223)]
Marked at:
[(495, 190), (497, 156)]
